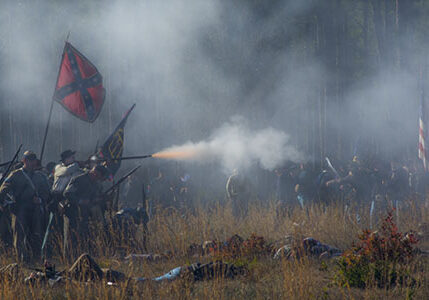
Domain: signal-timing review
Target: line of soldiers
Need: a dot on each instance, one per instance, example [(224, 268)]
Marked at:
[(370, 185), (70, 192), (373, 183)]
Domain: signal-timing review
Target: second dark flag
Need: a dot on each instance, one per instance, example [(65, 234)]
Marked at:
[(113, 147)]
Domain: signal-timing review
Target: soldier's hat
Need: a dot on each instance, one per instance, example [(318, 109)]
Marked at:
[(66, 154), (29, 155)]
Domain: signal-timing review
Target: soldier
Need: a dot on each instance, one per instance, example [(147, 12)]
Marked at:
[(305, 186), (238, 193), (285, 188), (398, 185), (60, 175), (65, 171), (63, 174), (83, 194), (50, 169), (285, 184), (28, 191)]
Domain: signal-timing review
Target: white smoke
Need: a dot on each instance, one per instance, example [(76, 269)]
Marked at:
[(236, 146)]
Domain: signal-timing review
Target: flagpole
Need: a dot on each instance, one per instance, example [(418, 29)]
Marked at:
[(52, 106), (46, 131)]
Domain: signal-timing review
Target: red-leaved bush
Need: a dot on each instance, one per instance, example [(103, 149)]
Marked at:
[(379, 257)]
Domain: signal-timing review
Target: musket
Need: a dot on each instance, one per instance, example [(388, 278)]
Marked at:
[(123, 178), (125, 158), (114, 159), (45, 237), (6, 173)]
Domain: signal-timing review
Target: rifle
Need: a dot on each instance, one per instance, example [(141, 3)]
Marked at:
[(125, 158), (123, 178), (3, 178), (86, 162), (45, 237)]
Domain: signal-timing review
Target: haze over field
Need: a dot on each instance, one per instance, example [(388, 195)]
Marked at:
[(192, 65)]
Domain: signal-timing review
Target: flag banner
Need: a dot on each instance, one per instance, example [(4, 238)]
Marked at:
[(79, 88), (113, 147)]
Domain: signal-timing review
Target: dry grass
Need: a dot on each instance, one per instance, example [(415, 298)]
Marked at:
[(267, 279)]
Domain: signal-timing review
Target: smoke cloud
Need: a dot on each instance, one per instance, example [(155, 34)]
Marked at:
[(235, 145), (191, 65)]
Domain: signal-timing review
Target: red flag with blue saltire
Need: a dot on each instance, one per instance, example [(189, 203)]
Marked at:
[(79, 88)]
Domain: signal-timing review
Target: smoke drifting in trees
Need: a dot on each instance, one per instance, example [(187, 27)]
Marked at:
[(327, 73)]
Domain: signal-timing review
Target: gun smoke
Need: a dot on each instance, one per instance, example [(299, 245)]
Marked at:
[(191, 65), (235, 145)]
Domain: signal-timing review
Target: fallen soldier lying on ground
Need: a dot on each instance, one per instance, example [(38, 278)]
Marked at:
[(255, 245), (85, 269), (307, 247), (198, 272), (235, 246)]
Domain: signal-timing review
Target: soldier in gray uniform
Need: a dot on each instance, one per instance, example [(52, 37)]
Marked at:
[(62, 175), (27, 192), (83, 195), (65, 171)]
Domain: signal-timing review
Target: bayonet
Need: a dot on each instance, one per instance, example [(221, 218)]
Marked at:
[(332, 168)]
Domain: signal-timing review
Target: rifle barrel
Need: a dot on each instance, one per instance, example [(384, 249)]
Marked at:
[(10, 165), (127, 158), (136, 157), (121, 180)]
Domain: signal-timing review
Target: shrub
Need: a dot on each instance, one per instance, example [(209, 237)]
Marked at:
[(380, 258)]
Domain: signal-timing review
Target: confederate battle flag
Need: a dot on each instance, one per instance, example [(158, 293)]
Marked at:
[(79, 87)]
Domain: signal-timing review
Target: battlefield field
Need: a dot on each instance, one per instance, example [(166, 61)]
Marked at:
[(172, 240)]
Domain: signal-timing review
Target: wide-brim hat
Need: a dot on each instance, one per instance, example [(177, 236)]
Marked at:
[(66, 154)]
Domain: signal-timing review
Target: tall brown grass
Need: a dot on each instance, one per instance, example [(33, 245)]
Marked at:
[(171, 232)]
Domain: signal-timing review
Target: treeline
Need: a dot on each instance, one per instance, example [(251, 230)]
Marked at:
[(330, 49)]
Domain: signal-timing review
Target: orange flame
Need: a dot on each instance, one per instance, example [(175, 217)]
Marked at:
[(180, 155)]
